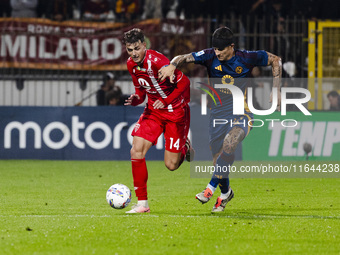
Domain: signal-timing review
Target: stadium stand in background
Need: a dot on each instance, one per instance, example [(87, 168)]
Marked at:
[(44, 73)]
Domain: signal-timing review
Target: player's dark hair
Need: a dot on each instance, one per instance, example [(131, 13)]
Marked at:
[(223, 33), (132, 36), (333, 93), (222, 37)]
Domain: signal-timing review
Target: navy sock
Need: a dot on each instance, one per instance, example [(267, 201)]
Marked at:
[(215, 180), (224, 185), (216, 177), (224, 161)]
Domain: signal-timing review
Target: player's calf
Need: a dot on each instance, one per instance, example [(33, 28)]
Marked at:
[(174, 160), (190, 154), (172, 166)]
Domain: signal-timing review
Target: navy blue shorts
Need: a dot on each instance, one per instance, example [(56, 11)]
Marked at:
[(222, 127)]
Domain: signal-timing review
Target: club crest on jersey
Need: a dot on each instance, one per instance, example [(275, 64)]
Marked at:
[(239, 69), (141, 69), (227, 79), (137, 127)]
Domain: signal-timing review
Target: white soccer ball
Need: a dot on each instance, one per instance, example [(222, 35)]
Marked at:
[(118, 196)]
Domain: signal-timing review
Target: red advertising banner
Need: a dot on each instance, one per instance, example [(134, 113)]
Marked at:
[(77, 45)]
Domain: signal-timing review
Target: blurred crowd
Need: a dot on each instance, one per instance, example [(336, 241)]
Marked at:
[(109, 93), (135, 10)]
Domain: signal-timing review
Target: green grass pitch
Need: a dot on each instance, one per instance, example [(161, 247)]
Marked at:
[(59, 207)]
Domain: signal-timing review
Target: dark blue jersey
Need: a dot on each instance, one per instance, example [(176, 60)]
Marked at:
[(229, 72)]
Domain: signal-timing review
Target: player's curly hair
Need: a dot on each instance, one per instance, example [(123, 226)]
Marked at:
[(133, 35)]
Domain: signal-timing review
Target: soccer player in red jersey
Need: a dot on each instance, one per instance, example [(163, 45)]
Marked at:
[(166, 112)]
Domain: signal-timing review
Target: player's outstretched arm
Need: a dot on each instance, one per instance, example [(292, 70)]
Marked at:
[(131, 98), (135, 99), (168, 71), (276, 64)]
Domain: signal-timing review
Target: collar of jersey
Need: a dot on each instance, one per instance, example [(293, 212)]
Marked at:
[(228, 61)]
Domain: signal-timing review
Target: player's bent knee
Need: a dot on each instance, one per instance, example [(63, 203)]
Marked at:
[(136, 154), (235, 136), (230, 149), (171, 166), (229, 146)]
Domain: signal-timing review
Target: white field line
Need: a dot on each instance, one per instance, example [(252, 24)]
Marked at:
[(180, 216)]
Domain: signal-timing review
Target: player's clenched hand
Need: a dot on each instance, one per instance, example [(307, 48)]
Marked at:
[(278, 99), (158, 104), (166, 71), (131, 98)]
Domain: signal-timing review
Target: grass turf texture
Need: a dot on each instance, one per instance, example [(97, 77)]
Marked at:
[(59, 207)]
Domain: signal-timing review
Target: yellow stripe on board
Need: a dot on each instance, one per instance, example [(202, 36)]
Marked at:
[(311, 63), (327, 53)]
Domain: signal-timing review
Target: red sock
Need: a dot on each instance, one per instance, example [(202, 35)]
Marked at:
[(140, 178), (183, 153)]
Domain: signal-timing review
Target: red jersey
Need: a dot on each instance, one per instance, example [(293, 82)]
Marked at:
[(145, 80)]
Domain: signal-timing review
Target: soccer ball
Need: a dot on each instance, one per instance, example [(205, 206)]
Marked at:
[(118, 196)]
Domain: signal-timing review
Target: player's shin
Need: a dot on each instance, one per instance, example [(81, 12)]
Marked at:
[(215, 180), (140, 178), (223, 163)]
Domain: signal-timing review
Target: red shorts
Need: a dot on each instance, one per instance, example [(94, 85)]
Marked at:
[(175, 126)]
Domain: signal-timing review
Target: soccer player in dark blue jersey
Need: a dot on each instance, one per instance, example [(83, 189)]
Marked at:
[(226, 65)]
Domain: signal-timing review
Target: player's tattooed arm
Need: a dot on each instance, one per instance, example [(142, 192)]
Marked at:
[(178, 60), (168, 71), (276, 64)]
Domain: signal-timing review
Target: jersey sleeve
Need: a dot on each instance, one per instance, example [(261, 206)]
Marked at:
[(182, 86), (134, 78), (255, 58), (262, 58), (201, 57), (161, 61), (135, 81), (140, 91)]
